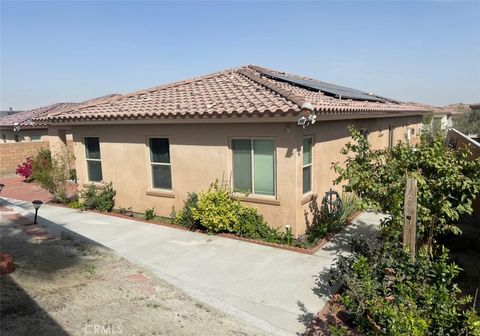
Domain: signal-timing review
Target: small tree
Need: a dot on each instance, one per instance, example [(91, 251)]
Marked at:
[(468, 123), (447, 181), (52, 174)]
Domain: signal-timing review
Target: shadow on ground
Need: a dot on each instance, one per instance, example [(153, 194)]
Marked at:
[(465, 252), (36, 263), (20, 314), (340, 244)]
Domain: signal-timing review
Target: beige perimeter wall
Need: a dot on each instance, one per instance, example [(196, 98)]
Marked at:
[(13, 154), (200, 153)]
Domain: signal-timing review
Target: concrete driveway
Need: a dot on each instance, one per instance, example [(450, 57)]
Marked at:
[(272, 289)]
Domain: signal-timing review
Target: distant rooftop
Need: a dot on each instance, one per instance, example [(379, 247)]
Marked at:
[(25, 118)]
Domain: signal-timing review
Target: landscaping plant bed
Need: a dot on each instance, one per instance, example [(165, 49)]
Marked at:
[(163, 221)]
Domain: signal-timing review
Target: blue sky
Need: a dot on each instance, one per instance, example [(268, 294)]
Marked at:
[(72, 51)]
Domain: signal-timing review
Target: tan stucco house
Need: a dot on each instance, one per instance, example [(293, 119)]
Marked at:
[(259, 131)]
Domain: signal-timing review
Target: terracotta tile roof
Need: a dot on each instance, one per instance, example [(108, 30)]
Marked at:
[(29, 118), (241, 92), (24, 118)]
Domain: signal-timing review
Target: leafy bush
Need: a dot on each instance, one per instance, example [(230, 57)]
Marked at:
[(185, 216), (75, 204), (217, 211), (103, 200), (51, 174), (388, 293), (150, 214), (25, 169), (42, 168), (447, 181), (334, 222), (251, 225), (124, 211)]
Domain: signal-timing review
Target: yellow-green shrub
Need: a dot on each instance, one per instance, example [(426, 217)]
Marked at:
[(216, 210)]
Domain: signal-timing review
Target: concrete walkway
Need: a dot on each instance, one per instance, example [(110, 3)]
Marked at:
[(272, 289)]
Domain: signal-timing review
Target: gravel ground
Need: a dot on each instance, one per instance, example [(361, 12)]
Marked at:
[(67, 287)]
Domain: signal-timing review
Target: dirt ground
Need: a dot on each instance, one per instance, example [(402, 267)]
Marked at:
[(66, 287)]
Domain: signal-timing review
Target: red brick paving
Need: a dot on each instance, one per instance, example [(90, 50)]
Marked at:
[(15, 187), (27, 226), (18, 219), (144, 282)]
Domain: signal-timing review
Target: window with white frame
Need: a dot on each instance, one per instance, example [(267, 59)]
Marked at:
[(307, 164), (94, 161), (35, 138), (160, 163), (254, 166)]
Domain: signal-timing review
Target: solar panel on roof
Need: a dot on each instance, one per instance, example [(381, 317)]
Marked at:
[(327, 88)]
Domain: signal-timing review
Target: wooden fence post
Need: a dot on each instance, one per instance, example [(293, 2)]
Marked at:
[(410, 215)]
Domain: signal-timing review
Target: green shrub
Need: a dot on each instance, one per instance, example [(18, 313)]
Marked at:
[(332, 223), (217, 211), (387, 292), (251, 225), (89, 196), (150, 214), (51, 174), (103, 200), (75, 204), (185, 216), (125, 211), (447, 181), (42, 169)]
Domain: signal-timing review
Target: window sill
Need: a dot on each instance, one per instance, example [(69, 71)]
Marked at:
[(308, 198), (97, 185), (254, 199), (159, 193)]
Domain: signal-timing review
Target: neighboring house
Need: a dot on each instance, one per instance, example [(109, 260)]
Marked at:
[(442, 118), (8, 112), (259, 131), (21, 136), (19, 127)]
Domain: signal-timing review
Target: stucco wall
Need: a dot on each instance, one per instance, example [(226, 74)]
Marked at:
[(13, 154), (330, 138), (200, 153)]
